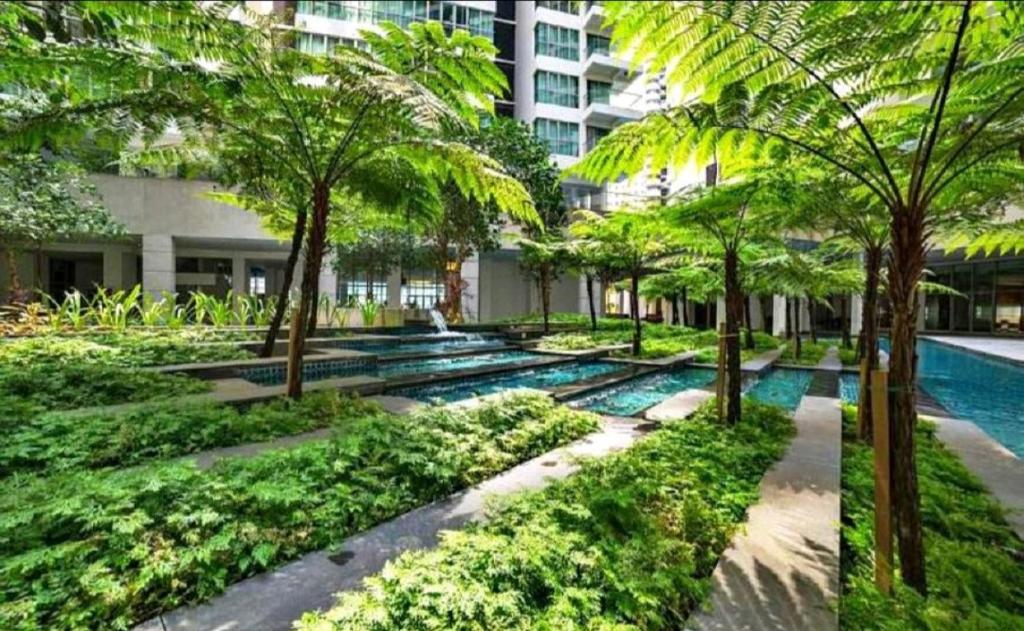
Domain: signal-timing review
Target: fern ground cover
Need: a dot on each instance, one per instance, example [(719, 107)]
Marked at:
[(810, 353), (627, 543), (108, 549), (975, 567)]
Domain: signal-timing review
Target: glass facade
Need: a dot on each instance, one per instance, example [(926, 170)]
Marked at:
[(561, 137), (598, 45), (992, 300), (564, 6), (421, 289), (315, 44), (557, 41), (359, 289), (594, 135), (598, 92), (403, 13), (556, 89)]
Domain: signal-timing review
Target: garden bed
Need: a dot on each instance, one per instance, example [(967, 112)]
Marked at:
[(628, 542), (810, 353), (974, 560), (112, 548)]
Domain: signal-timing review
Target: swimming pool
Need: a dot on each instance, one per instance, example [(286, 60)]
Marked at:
[(397, 348), (985, 390), (636, 395), (419, 366), (782, 387), (530, 378), (849, 387)]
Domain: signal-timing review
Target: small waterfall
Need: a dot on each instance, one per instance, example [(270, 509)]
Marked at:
[(438, 320)]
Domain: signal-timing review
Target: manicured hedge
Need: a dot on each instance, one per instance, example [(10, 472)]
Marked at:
[(108, 549), (975, 562), (628, 543)]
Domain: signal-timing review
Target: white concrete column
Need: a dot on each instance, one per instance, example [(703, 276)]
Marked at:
[(471, 291), (856, 314), (395, 289), (239, 275), (327, 284), (756, 322), (720, 312), (113, 267), (584, 306), (158, 263), (779, 316), (805, 316)]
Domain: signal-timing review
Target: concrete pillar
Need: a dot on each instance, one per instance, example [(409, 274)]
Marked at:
[(158, 263), (239, 275), (394, 282), (856, 314), (805, 316), (113, 267), (584, 306), (756, 322), (471, 292), (327, 284), (720, 312), (779, 316)]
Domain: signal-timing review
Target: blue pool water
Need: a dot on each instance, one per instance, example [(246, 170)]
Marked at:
[(530, 378), (389, 349), (636, 395), (985, 390), (781, 387), (849, 387)]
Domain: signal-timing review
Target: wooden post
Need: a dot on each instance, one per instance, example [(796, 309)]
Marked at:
[(883, 484), (865, 375), (720, 389)]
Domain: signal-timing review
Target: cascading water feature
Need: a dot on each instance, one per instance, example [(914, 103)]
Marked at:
[(439, 323)]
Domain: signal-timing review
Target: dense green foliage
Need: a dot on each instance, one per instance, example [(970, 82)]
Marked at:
[(660, 340), (810, 353), (58, 441), (976, 578), (105, 549), (627, 543), (849, 356)]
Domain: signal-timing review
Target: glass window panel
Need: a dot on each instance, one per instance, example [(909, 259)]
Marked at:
[(556, 89), (598, 92), (556, 41), (962, 305), (561, 137), (1009, 289)]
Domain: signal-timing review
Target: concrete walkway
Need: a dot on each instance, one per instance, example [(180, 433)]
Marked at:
[(831, 360), (761, 362), (678, 406), (1005, 348), (272, 601), (782, 573), (999, 469)]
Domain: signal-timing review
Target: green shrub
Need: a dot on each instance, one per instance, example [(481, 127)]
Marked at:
[(848, 356), (629, 542), (568, 342), (107, 549), (810, 353), (115, 438), (976, 578)]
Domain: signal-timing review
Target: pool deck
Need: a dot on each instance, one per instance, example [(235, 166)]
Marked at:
[(782, 573), (1001, 347), (761, 362), (678, 406), (272, 601), (999, 470)]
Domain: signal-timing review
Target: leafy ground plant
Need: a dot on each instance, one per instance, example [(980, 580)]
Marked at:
[(975, 568), (627, 543), (810, 353), (108, 549), (57, 441)]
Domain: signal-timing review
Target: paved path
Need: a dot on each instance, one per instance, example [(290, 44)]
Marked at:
[(831, 360), (396, 405), (999, 469), (782, 573), (762, 361), (678, 406), (271, 601), (1006, 348)]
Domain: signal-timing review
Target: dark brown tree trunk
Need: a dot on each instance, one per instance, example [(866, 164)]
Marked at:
[(789, 318), (675, 309), (797, 342), (733, 317), (634, 306), (452, 305), (684, 300), (906, 264), (590, 301), (844, 321), (315, 244), (545, 298), (869, 336), (766, 305), (282, 295), (750, 326), (15, 291), (314, 302)]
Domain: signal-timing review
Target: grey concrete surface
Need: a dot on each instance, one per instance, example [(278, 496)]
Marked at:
[(678, 406), (831, 360), (782, 573), (762, 361), (1006, 348)]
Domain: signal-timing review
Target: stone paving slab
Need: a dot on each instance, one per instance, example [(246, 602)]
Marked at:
[(831, 360), (678, 406), (761, 362), (663, 362), (272, 601), (1000, 470), (782, 573)]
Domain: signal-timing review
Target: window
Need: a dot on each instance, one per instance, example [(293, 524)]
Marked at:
[(421, 289), (257, 281), (359, 290), (315, 44), (598, 92), (556, 41), (598, 45), (556, 89), (594, 135), (403, 13), (564, 6), (562, 138)]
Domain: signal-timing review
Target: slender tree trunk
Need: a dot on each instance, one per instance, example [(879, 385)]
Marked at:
[(906, 264), (452, 305), (765, 308), (812, 313), (684, 319), (316, 242), (314, 311), (15, 291), (844, 320), (733, 317), (675, 309), (545, 298), (634, 306), (750, 326), (282, 295), (869, 336), (797, 343), (789, 318), (590, 301)]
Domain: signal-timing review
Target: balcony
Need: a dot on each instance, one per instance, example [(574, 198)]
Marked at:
[(608, 109), (601, 65), (593, 17)]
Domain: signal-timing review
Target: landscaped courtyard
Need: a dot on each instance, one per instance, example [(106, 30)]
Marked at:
[(304, 326)]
